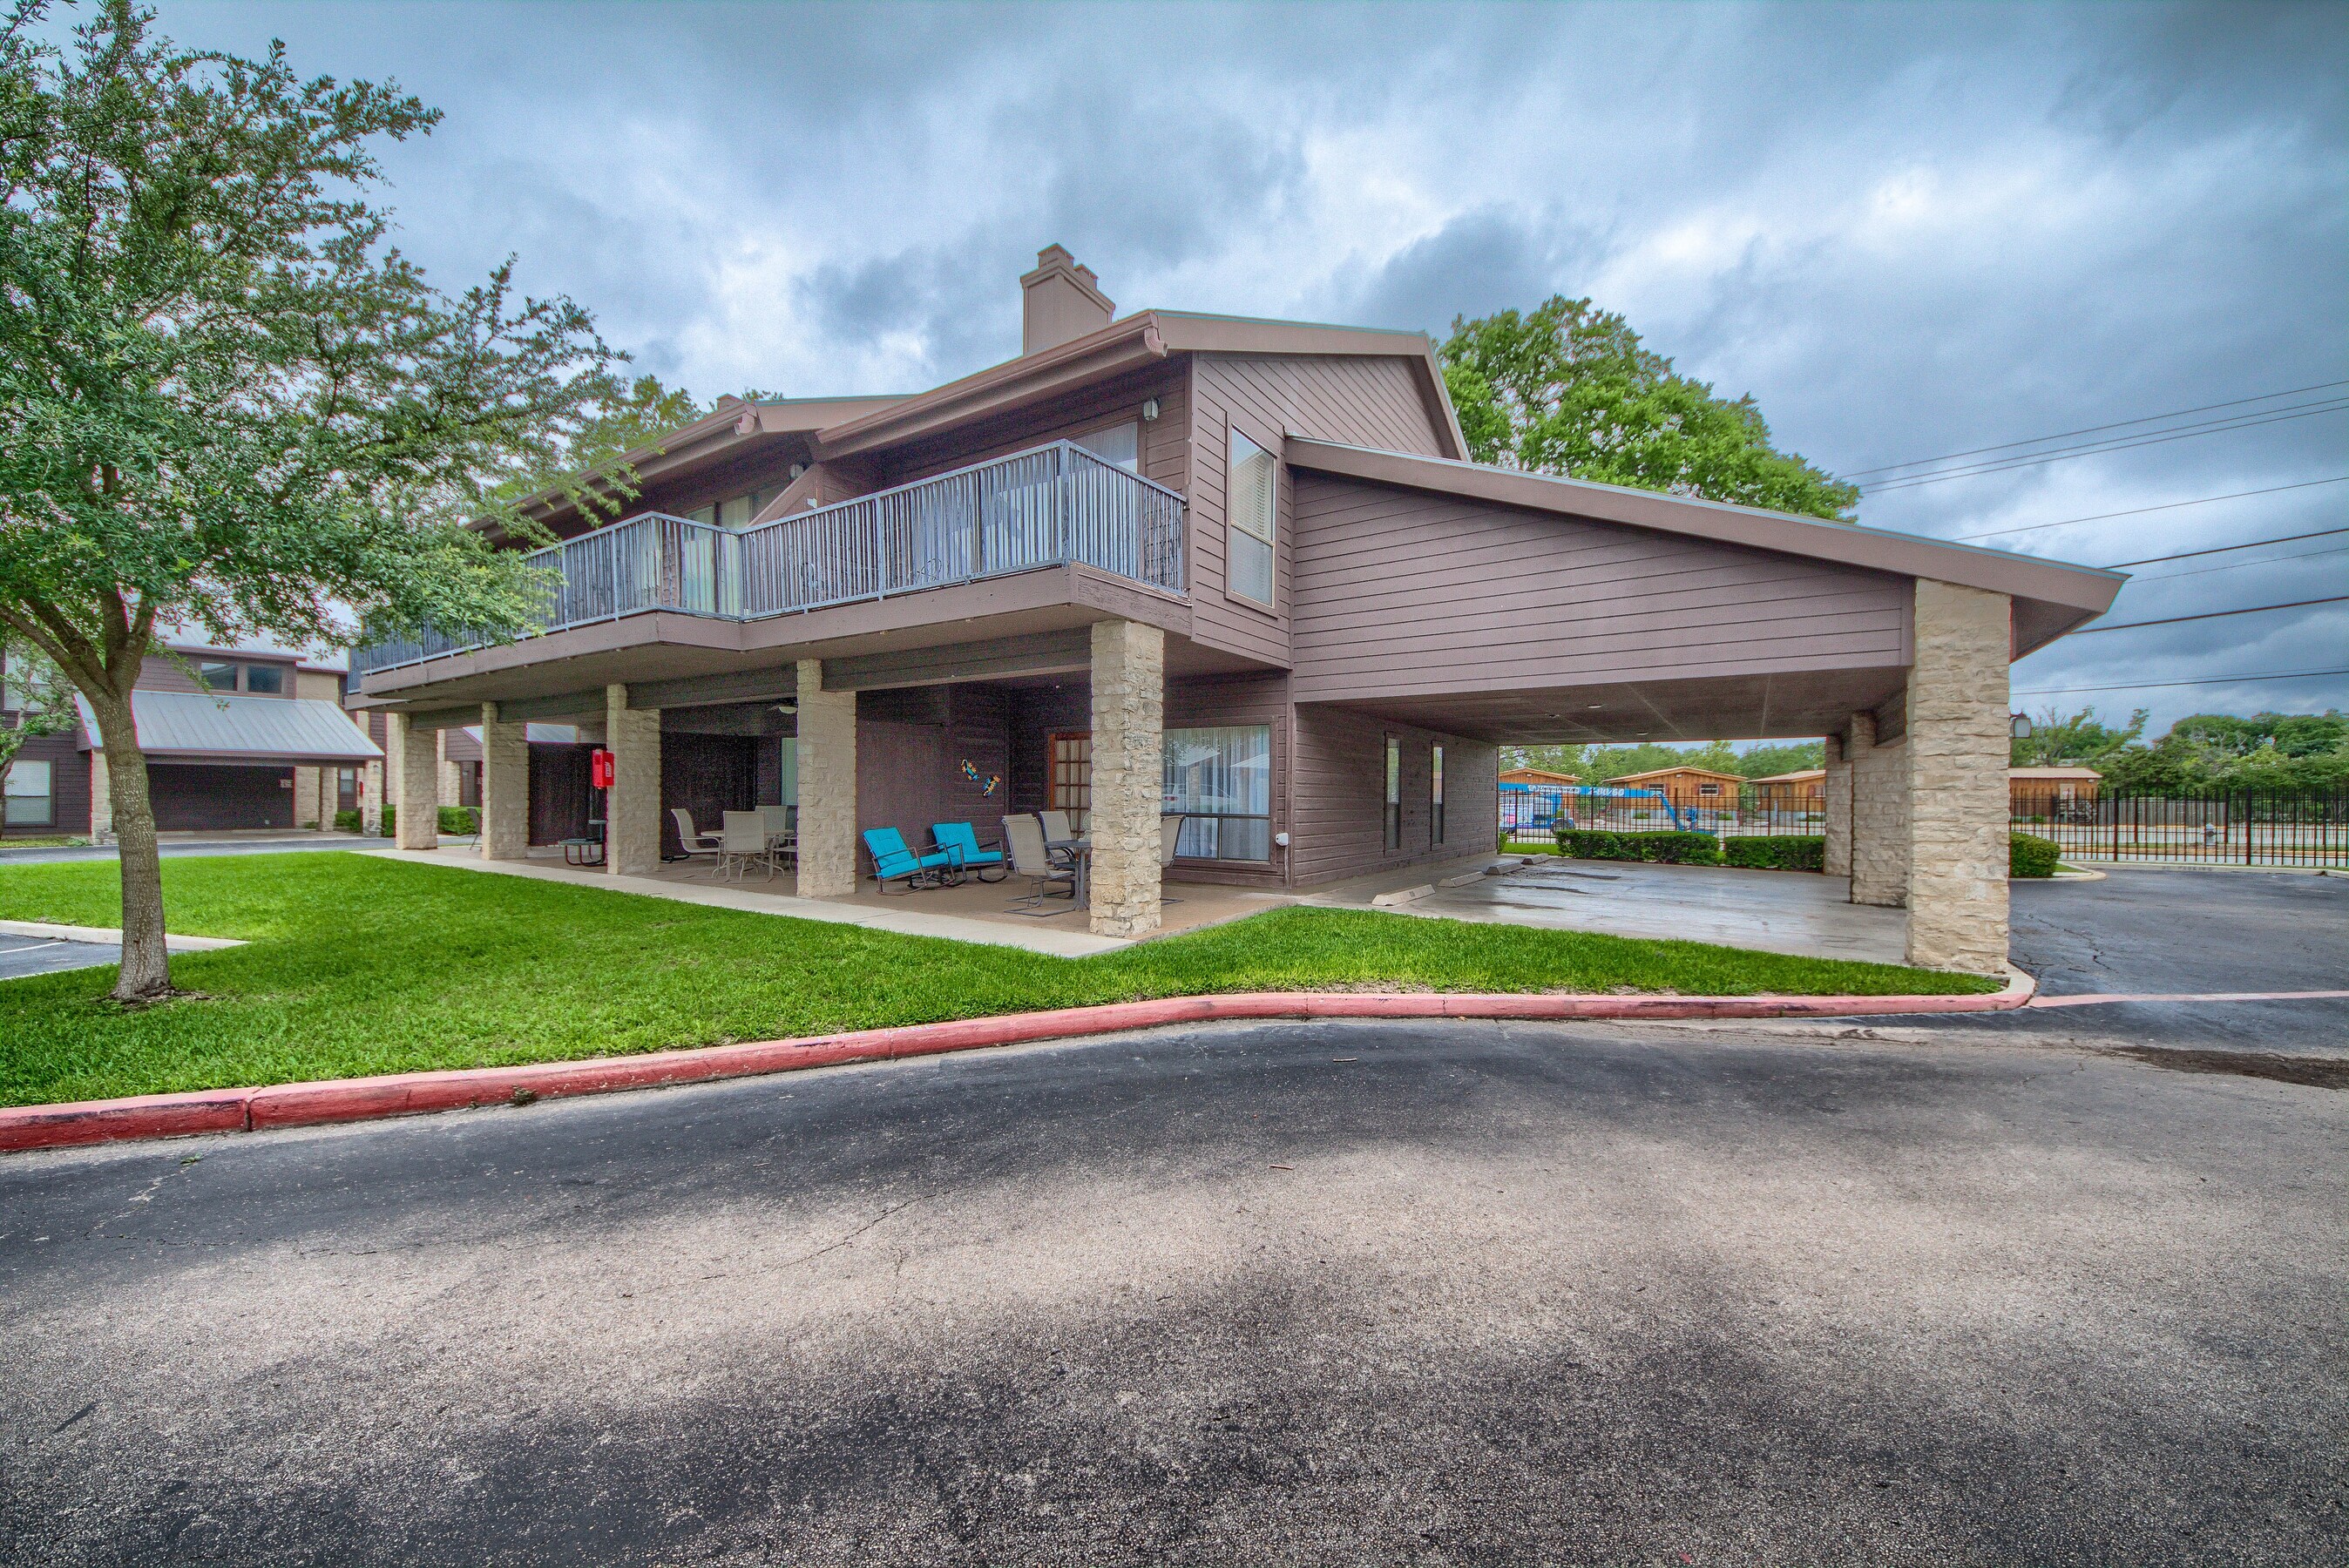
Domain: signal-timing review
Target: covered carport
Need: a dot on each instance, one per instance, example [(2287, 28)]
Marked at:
[(1520, 609), (217, 762)]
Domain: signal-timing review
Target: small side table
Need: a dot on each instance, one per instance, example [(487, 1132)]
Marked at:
[(583, 852)]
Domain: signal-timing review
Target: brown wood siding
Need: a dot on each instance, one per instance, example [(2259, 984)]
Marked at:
[(193, 798), (1400, 592), (1165, 440), (69, 786), (158, 673), (1365, 402), (1339, 794), (1037, 714), (559, 792), (707, 775)]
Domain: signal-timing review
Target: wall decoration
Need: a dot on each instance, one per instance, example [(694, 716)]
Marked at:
[(987, 785)]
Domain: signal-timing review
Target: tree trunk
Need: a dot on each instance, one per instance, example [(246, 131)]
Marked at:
[(146, 962)]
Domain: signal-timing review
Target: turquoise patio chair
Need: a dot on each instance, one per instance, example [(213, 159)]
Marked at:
[(892, 861), (960, 840)]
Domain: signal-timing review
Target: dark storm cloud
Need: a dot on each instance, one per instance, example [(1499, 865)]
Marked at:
[(1908, 230)]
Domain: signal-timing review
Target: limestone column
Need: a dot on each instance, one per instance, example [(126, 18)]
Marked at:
[(1879, 815), (505, 786), (101, 799), (415, 768), (451, 786), (372, 798), (1836, 787), (1129, 696), (827, 769), (306, 813), (632, 806), (1958, 749)]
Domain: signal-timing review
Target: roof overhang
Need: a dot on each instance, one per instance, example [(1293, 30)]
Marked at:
[(2051, 597), (200, 726)]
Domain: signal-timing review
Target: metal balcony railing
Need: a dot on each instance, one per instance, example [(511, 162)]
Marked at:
[(1050, 506)]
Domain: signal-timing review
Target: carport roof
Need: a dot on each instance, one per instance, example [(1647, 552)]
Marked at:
[(2051, 597), (187, 726)]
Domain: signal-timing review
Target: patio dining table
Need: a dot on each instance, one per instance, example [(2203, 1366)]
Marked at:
[(1080, 861)]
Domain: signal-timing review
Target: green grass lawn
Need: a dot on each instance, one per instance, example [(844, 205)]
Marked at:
[(359, 965)]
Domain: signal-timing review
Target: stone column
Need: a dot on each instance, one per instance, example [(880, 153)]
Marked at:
[(632, 806), (371, 798), (101, 799), (451, 786), (1129, 693), (1836, 788), (1958, 749), (1879, 815), (415, 768), (306, 813), (505, 786), (827, 766)]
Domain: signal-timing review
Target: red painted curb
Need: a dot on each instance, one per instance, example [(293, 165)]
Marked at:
[(410, 1094)]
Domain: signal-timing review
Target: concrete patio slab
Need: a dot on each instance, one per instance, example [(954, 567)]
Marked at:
[(1798, 913)]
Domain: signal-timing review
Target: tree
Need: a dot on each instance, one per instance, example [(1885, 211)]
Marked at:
[(2081, 740), (226, 402), (633, 419), (1570, 390)]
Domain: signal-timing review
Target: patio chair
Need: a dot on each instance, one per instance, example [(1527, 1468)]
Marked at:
[(782, 836), (1058, 831), (1170, 831), (743, 844), (698, 845), (1024, 837), (960, 840), (892, 861)]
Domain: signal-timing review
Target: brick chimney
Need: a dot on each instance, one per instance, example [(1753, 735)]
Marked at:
[(1060, 301)]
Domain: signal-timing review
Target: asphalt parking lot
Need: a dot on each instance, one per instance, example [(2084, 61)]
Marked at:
[(1445, 1292)]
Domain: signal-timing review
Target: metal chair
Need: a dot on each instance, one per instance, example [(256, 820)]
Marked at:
[(892, 861), (1024, 837), (1057, 831), (960, 840), (782, 836), (742, 844), (1170, 829), (697, 844)]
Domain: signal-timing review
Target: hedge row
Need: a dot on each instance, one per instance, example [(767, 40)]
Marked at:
[(1668, 849), (1791, 853), (346, 821), (2029, 855)]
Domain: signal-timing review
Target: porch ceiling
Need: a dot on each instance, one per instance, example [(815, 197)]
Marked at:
[(1780, 705)]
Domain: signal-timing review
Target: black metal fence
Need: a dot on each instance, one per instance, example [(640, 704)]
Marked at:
[(1533, 817), (2232, 827)]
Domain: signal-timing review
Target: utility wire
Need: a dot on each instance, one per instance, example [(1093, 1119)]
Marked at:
[(2141, 511), (2239, 565), (2223, 548), (2208, 680), (2242, 422), (2092, 429), (2211, 614)]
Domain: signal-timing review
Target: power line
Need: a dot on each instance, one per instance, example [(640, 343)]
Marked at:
[(2092, 429), (2141, 511), (2213, 614), (2240, 422), (2223, 548), (2208, 680), (2239, 565)]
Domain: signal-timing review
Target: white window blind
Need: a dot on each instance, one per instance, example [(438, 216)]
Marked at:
[(1249, 507)]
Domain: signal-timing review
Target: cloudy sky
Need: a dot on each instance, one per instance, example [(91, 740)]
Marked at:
[(1909, 230)]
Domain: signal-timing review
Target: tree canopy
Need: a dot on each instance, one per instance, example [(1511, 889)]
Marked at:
[(227, 401), (1567, 389)]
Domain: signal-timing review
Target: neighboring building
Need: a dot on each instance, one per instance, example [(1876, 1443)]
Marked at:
[(2045, 791), (1537, 775), (1241, 570), (236, 739), (1804, 790), (1686, 786)]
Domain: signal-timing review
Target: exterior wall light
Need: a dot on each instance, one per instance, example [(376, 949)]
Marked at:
[(1149, 408), (2019, 726)]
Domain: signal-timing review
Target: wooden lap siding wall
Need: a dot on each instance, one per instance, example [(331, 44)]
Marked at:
[(1338, 794), (1401, 594), (1368, 402)]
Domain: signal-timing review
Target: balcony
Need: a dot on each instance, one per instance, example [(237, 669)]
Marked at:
[(1051, 506)]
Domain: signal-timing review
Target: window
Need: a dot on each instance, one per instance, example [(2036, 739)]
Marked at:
[(218, 675), (1436, 794), (1249, 507), (1221, 780), (1708, 789), (1118, 444), (29, 800), (268, 678), (1070, 787), (734, 512), (346, 789), (1394, 793)]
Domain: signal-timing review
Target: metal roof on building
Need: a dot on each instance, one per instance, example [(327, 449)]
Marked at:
[(184, 724)]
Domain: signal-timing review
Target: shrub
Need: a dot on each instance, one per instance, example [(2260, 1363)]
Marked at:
[(1668, 849), (391, 822), (346, 821), (460, 819), (2029, 855), (1786, 852)]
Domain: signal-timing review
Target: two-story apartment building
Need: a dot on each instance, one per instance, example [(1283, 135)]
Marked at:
[(1236, 569), (235, 738)]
